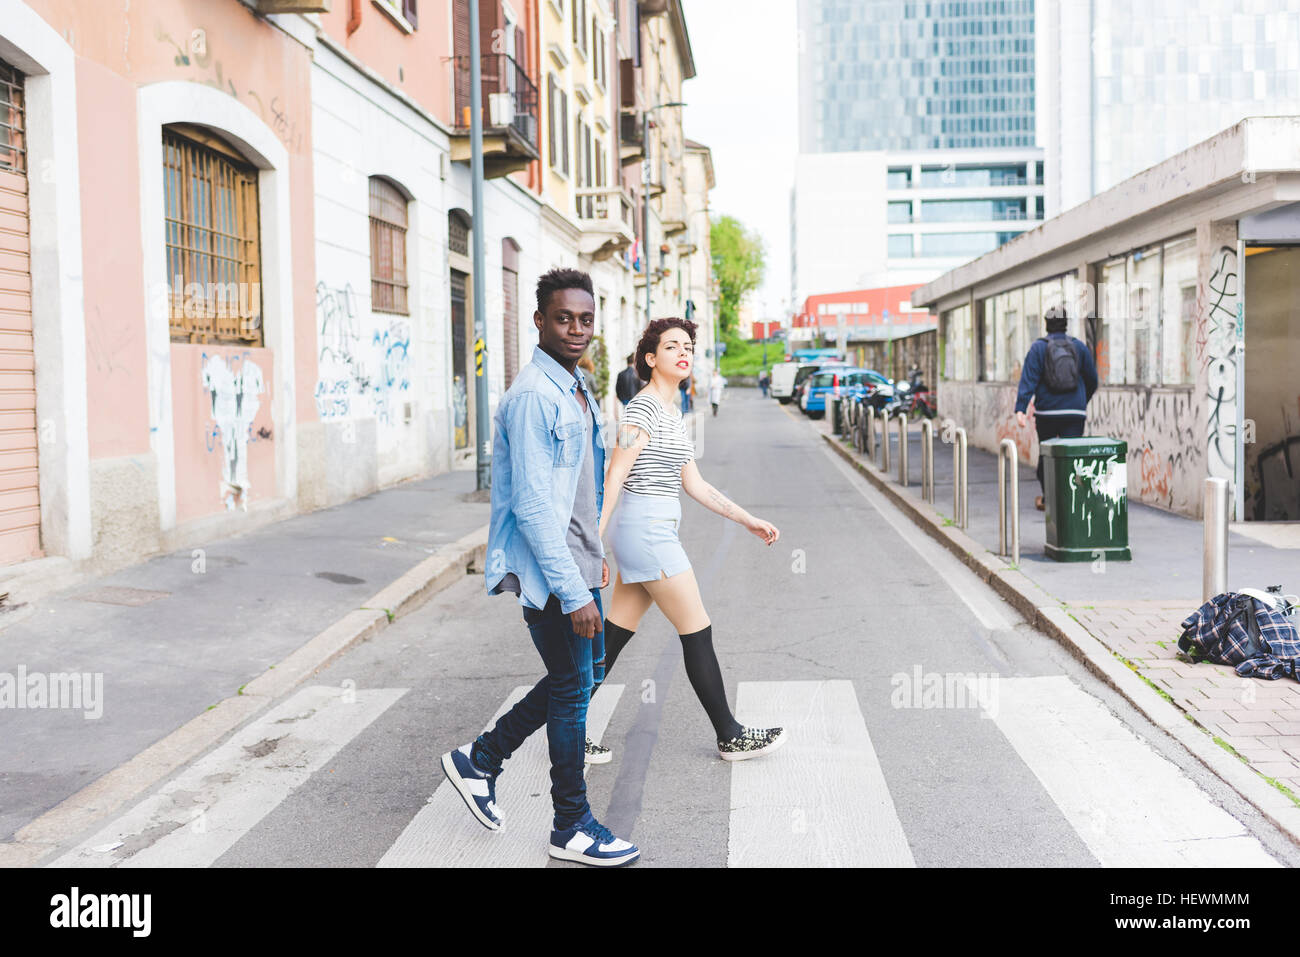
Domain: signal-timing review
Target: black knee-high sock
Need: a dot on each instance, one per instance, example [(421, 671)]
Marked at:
[(616, 639), (706, 678)]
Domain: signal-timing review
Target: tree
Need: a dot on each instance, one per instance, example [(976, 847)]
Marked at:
[(738, 257)]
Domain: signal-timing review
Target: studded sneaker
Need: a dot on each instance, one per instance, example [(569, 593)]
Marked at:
[(587, 842), (751, 742), (596, 754), (478, 789)]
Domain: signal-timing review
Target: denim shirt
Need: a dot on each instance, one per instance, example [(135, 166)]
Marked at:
[(536, 453)]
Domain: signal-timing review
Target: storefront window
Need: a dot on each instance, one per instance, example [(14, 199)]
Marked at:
[(1178, 312), (1111, 307), (1143, 275), (959, 345)]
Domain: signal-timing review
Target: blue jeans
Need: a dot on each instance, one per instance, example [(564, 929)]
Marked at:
[(558, 701)]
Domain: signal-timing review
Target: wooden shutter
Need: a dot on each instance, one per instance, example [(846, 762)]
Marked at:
[(510, 300), (460, 29), (388, 283), (20, 507), (552, 110), (564, 128)]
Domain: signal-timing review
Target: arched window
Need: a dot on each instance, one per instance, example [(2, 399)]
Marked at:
[(388, 284), (458, 232), (214, 263)]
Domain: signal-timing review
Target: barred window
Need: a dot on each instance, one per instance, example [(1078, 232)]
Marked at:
[(457, 233), (213, 256), (387, 247), (13, 140)]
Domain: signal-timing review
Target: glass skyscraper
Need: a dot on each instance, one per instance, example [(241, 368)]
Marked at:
[(915, 75)]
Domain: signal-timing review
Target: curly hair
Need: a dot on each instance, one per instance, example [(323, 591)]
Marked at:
[(650, 341)]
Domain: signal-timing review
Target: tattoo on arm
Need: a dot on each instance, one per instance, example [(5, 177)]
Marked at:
[(628, 435), (724, 504)]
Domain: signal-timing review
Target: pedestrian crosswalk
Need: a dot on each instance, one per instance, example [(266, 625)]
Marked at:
[(825, 799), (437, 837)]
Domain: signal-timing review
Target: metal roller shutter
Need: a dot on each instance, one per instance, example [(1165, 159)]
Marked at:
[(20, 508)]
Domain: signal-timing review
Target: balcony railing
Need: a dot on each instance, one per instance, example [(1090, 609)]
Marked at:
[(509, 97), (608, 220)]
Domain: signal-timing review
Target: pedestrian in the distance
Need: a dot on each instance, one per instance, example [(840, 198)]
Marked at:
[(655, 460), (1060, 377), (716, 385), (685, 388), (764, 380), (628, 383), (548, 467)]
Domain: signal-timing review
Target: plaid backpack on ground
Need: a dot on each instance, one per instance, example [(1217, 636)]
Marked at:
[(1258, 639)]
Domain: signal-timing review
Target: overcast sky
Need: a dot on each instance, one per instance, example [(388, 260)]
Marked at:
[(743, 104)]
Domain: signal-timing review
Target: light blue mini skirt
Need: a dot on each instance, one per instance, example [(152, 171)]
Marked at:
[(643, 537)]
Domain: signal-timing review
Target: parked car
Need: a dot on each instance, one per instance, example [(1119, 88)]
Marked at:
[(846, 382), (797, 397), (788, 375)]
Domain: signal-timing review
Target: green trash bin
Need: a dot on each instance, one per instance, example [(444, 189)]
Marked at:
[(1085, 496)]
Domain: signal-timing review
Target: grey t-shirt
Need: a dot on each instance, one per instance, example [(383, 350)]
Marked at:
[(582, 537)]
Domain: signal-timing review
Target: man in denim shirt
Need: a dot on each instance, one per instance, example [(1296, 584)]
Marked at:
[(548, 477)]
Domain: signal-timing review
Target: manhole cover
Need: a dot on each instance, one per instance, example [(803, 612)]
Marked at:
[(340, 579), (119, 595)]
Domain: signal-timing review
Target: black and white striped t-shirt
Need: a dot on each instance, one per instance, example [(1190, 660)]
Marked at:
[(658, 469)]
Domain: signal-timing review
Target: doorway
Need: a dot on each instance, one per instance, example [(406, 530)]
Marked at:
[(1272, 313)]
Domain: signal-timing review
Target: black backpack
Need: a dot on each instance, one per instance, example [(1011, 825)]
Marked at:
[(1061, 365)]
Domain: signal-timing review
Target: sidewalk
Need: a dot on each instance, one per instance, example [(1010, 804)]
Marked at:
[(1134, 609), (177, 634)]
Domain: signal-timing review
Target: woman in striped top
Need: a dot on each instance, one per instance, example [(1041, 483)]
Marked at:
[(654, 459)]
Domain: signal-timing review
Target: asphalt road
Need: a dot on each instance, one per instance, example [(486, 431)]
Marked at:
[(854, 631)]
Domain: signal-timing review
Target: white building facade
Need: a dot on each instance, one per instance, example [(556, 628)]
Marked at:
[(873, 219)]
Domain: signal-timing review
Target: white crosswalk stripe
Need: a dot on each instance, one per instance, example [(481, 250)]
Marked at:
[(200, 814), (821, 800), (1130, 805), (443, 834)]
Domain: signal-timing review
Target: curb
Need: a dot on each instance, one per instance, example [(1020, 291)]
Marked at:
[(75, 815), (1047, 615)]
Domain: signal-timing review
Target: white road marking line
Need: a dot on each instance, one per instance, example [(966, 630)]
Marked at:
[(820, 800), (200, 814), (1129, 804), (957, 576), (444, 834)]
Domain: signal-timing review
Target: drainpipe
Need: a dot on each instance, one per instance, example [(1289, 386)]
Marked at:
[(354, 16)]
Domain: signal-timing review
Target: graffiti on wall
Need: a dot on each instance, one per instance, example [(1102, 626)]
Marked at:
[(196, 57), (1166, 458), (364, 365), (233, 384), (1216, 349)]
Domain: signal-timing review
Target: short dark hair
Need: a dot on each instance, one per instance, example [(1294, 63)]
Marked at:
[(1055, 319), (561, 278), (631, 357), (650, 341)]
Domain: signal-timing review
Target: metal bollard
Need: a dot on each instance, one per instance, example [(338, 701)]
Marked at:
[(1214, 573), (1008, 453), (884, 443), (902, 449), (960, 499), (927, 461), (870, 432)]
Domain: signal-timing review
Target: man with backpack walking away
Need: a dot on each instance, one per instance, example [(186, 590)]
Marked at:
[(1060, 376)]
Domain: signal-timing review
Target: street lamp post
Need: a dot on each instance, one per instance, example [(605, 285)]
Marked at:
[(480, 272), (645, 197)]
